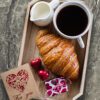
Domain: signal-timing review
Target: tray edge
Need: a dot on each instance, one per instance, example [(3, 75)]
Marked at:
[(85, 63), (24, 32)]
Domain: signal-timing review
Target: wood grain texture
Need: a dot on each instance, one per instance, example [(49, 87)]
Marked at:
[(12, 14)]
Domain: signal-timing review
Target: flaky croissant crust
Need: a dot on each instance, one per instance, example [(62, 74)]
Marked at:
[(58, 54)]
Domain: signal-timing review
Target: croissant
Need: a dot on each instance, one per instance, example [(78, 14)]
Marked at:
[(58, 54)]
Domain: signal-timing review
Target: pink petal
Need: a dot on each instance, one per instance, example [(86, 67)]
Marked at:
[(49, 93), (63, 82), (57, 89), (54, 81), (48, 87), (64, 90), (54, 94)]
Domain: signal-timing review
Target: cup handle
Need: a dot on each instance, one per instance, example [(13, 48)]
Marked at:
[(81, 43), (54, 3)]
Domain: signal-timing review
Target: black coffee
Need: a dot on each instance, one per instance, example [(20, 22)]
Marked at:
[(72, 20)]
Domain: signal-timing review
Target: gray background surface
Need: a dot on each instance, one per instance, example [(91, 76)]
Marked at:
[(12, 15)]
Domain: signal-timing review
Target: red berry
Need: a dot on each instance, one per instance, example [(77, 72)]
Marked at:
[(36, 63), (43, 74)]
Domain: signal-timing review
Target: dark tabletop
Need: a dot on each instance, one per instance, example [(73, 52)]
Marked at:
[(12, 15)]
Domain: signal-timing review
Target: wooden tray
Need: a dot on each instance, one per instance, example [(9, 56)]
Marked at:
[(29, 51)]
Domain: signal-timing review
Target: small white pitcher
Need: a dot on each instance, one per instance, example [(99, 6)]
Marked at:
[(42, 12)]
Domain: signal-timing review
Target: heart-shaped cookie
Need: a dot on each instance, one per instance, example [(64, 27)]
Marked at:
[(18, 81)]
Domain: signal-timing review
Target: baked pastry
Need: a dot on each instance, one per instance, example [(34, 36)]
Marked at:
[(58, 54)]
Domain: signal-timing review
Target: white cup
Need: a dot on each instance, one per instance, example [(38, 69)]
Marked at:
[(88, 13), (42, 12)]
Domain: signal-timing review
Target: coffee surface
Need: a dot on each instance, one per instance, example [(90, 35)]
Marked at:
[(72, 20)]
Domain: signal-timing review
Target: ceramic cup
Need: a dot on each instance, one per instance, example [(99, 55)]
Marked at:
[(86, 10)]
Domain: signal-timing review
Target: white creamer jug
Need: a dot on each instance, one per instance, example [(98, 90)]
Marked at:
[(42, 12)]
